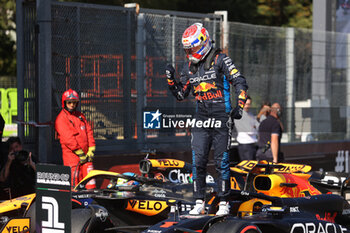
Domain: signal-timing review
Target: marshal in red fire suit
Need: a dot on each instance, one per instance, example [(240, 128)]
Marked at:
[(210, 81), (75, 134)]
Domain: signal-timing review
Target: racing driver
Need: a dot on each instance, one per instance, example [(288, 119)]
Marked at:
[(76, 138), (209, 73)]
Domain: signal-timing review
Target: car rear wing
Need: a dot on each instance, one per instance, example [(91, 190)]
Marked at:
[(246, 166), (331, 182)]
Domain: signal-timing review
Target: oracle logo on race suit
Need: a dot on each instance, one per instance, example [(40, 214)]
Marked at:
[(176, 176), (210, 75)]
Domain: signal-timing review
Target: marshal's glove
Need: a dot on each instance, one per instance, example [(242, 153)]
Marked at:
[(83, 157), (170, 74), (90, 153)]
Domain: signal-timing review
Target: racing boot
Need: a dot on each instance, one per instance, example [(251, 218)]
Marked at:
[(224, 208), (198, 208)]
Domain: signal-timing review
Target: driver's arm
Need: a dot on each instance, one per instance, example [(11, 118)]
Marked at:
[(274, 147), (179, 89)]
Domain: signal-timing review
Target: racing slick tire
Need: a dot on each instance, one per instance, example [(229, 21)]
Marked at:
[(233, 227)]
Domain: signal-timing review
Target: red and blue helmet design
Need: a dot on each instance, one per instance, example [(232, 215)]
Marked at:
[(196, 42)]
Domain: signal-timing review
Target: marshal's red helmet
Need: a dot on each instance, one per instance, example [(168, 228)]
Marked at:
[(69, 95)]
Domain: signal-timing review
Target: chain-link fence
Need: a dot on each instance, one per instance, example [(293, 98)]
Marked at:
[(27, 82), (92, 51), (115, 58), (301, 70)]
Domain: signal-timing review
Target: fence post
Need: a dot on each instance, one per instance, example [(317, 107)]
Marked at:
[(20, 66), (290, 84), (224, 30), (320, 92), (140, 79), (44, 104), (348, 88), (127, 80), (173, 42)]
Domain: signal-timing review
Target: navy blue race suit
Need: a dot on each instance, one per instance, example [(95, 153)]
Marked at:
[(210, 81)]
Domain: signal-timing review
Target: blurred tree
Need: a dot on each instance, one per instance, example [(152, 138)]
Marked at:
[(291, 13), (7, 38), (238, 10)]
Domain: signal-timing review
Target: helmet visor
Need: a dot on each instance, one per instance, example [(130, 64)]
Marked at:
[(193, 50), (71, 101)]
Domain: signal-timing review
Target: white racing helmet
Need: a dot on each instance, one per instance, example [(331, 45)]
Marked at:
[(196, 42)]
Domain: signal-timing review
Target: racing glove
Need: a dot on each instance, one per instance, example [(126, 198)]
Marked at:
[(83, 158), (173, 86), (90, 153), (170, 74), (237, 112)]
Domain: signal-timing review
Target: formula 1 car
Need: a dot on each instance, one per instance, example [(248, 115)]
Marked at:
[(273, 199), (139, 201), (130, 200), (318, 213), (135, 202)]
